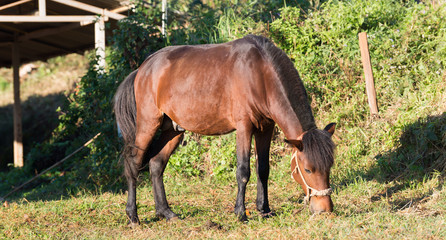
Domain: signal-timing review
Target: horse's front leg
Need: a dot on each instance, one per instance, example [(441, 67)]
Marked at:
[(244, 136), (263, 143)]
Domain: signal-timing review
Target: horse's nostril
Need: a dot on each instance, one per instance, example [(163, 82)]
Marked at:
[(321, 205), (316, 212)]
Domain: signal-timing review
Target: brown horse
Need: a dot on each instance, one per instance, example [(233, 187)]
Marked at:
[(246, 85)]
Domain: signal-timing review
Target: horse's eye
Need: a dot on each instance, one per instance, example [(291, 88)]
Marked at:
[(308, 171)]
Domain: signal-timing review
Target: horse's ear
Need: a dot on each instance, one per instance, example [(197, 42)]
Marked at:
[(330, 128), (296, 143)]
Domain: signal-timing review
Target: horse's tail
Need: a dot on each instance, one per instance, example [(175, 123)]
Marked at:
[(125, 109)]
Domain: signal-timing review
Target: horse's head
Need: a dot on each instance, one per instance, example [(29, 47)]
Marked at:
[(310, 165)]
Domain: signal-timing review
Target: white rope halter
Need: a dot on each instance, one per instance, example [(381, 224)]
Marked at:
[(325, 192)]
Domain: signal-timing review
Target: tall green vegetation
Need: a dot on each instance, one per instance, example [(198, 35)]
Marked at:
[(406, 42), (408, 53)]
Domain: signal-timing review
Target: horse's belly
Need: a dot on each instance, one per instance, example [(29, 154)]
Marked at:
[(202, 123), (214, 129)]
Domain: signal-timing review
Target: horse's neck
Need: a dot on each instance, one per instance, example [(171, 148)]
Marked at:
[(286, 119), (290, 116)]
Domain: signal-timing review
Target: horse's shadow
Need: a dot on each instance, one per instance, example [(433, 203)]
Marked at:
[(420, 155)]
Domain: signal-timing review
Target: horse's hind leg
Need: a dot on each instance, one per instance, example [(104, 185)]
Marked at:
[(262, 143), (146, 130), (159, 154)]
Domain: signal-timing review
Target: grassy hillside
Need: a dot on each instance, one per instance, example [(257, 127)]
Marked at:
[(388, 176)]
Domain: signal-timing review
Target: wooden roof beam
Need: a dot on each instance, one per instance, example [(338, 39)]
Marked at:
[(41, 32), (90, 8), (12, 29), (62, 18), (120, 9), (14, 4), (53, 45), (51, 31)]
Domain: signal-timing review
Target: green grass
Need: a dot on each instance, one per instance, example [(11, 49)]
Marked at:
[(388, 176), (362, 210)]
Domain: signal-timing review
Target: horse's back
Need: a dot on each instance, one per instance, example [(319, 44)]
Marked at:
[(206, 89)]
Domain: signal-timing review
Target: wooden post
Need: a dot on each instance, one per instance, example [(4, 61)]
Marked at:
[(366, 64), (99, 38), (42, 8), (18, 144), (164, 17)]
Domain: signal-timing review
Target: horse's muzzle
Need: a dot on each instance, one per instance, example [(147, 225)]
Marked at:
[(321, 204)]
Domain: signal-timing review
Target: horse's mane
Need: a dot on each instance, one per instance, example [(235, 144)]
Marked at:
[(318, 146), (290, 80)]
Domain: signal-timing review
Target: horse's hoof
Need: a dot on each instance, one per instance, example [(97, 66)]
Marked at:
[(133, 225), (243, 218), (173, 219), (133, 222), (242, 215), (167, 214), (268, 214)]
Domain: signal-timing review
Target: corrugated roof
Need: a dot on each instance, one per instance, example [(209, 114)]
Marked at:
[(43, 40)]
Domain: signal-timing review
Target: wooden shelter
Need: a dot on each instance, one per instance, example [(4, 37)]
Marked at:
[(33, 30)]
